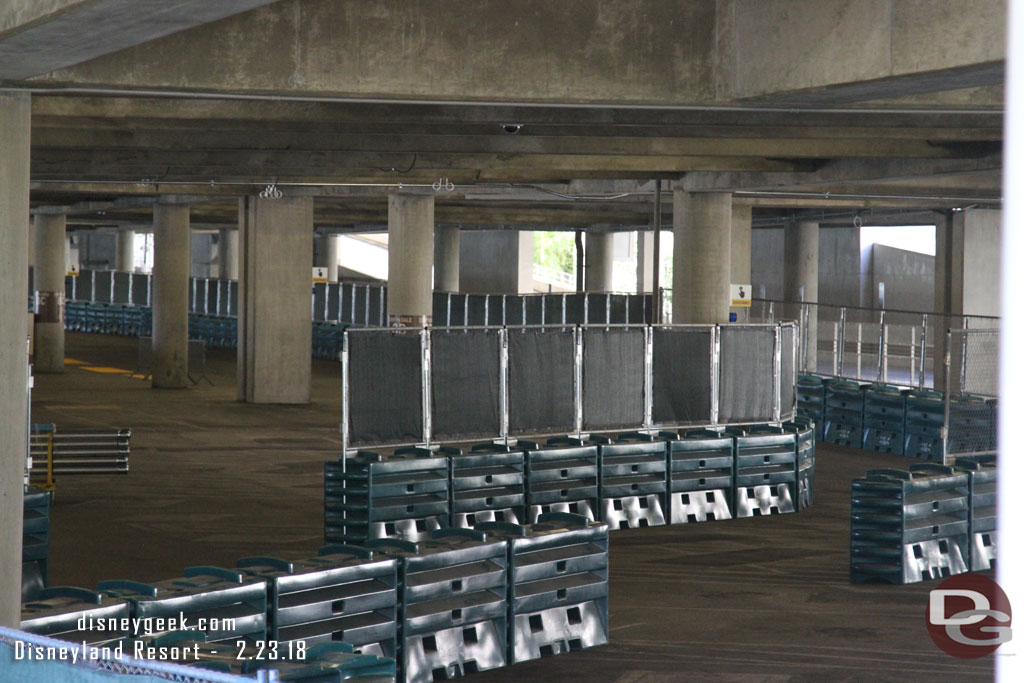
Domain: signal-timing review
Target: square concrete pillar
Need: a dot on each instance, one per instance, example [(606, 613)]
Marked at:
[(15, 117), (496, 261), (275, 335)]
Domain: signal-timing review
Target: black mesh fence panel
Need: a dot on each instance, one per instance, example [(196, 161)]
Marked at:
[(540, 381), (385, 388), (747, 389), (613, 378), (465, 384), (101, 286), (682, 376), (122, 287)]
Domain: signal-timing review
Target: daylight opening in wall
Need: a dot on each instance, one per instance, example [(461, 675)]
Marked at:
[(919, 238)]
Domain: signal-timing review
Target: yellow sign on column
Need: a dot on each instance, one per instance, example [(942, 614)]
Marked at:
[(740, 295)]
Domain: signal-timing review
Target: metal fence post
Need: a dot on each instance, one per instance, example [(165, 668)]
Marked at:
[(716, 369), (945, 420), (859, 348), (503, 382), (648, 376), (578, 379), (885, 354), (881, 341), (835, 349), (842, 338), (924, 352), (913, 348), (425, 368), (777, 375), (344, 398)]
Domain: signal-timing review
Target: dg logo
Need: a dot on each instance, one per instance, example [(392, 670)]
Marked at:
[(969, 616)]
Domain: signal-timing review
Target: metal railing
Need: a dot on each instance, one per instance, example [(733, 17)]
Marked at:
[(907, 348)]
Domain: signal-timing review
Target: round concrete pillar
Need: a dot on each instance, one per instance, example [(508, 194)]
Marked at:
[(801, 284), (51, 267), (446, 259), (599, 258), (333, 256), (125, 251), (701, 257), (172, 261), (410, 259), (227, 254)]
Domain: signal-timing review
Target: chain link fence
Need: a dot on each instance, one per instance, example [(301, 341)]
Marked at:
[(972, 385)]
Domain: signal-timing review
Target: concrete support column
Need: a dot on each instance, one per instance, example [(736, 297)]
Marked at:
[(15, 132), (600, 259), (740, 259), (172, 264), (125, 251), (645, 262), (446, 259), (49, 284), (274, 330), (333, 256), (410, 259), (800, 283), (496, 262), (702, 225), (227, 254)]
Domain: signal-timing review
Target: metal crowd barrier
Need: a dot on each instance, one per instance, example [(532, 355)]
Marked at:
[(557, 587), (343, 594), (79, 452), (889, 419), (544, 380), (35, 543), (369, 496), (910, 526), (454, 610), (365, 304)]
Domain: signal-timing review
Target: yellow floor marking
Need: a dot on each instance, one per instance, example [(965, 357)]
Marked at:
[(107, 371), (140, 376), (73, 361)]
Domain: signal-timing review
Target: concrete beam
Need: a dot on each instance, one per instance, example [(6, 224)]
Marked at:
[(39, 36), (799, 52), (613, 51)]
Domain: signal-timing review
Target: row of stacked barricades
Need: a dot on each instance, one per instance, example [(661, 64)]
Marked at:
[(461, 601), (218, 332), (636, 480), (890, 419), (929, 522)]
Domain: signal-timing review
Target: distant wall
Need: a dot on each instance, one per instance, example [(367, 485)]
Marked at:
[(909, 278)]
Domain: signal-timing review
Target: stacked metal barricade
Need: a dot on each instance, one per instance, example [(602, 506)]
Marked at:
[(766, 471), (558, 585), (35, 543), (487, 484), (811, 401), (981, 470), (909, 526), (884, 419), (343, 594), (925, 418), (632, 484), (805, 457), (561, 476), (844, 413), (454, 612), (58, 612), (402, 495), (701, 475), (233, 606)]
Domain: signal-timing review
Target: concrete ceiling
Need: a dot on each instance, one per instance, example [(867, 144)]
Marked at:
[(633, 91)]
